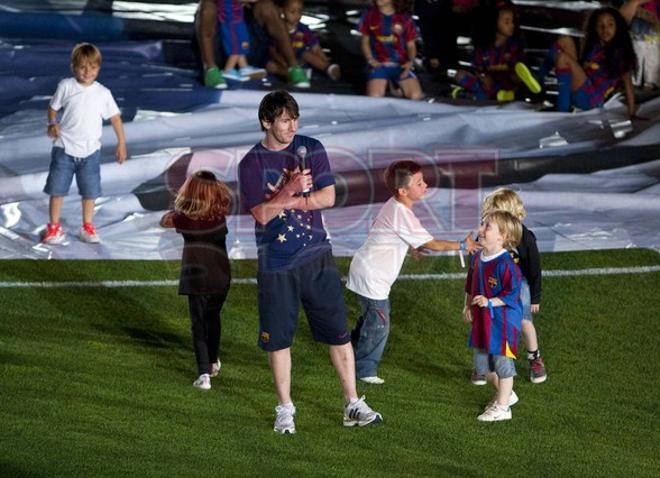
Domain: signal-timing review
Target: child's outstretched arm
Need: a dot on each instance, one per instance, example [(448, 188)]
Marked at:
[(440, 245), (118, 126), (53, 130)]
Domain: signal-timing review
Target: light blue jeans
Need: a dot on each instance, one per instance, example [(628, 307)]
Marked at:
[(369, 336)]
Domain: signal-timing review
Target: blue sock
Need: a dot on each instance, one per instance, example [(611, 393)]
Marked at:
[(548, 62), (564, 82)]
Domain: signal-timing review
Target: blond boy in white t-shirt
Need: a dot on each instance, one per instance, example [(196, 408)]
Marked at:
[(77, 140), (376, 265)]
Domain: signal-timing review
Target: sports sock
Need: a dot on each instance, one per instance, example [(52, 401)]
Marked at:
[(548, 62), (564, 83)]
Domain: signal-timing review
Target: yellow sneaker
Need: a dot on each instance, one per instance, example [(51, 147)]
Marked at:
[(526, 76)]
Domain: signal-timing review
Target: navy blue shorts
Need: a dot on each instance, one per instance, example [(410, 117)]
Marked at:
[(317, 284)]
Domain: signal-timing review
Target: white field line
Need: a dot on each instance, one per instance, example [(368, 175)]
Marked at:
[(603, 271)]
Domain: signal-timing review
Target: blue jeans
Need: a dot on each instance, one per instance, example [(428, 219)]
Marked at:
[(370, 335)]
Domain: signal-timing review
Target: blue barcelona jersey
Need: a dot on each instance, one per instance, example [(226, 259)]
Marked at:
[(495, 329)]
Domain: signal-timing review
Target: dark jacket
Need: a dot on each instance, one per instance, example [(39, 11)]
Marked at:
[(529, 260), (204, 263)]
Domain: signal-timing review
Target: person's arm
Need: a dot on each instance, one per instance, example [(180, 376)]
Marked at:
[(440, 245), (629, 93), (467, 313), (167, 220), (411, 49), (287, 198), (366, 51), (53, 130), (118, 126), (629, 9)]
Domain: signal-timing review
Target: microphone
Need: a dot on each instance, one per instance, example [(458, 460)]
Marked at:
[(301, 152)]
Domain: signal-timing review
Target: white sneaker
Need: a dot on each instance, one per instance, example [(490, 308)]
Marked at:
[(334, 72), (495, 413), (88, 234), (215, 368), (284, 420), (374, 380), (513, 399), (203, 382), (233, 74), (360, 414), (252, 73)]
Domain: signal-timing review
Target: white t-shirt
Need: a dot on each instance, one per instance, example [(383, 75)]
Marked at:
[(376, 265), (85, 108)]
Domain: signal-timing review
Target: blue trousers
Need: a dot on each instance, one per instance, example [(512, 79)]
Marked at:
[(369, 336)]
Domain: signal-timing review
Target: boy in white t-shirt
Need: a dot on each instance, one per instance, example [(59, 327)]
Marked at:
[(376, 265), (77, 140)]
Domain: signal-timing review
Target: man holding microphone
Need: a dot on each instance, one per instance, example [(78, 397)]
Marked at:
[(285, 180)]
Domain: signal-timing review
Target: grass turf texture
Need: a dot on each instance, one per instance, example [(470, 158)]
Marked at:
[(97, 382)]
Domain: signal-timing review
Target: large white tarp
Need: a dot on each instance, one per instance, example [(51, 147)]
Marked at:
[(589, 180)]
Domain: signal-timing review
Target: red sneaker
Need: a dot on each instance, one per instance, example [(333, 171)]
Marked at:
[(54, 234), (537, 373), (88, 233)]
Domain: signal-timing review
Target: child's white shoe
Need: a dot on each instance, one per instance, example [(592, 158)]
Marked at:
[(513, 399), (215, 368), (495, 413), (203, 382)]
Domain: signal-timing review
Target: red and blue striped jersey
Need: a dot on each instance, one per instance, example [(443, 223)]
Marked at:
[(600, 84), (229, 10), (302, 38), (495, 329), (504, 56), (388, 35)]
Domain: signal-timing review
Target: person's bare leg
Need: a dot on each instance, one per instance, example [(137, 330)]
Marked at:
[(267, 15), (504, 389), (529, 335), (55, 208), (565, 61), (88, 210), (376, 87), (206, 27), (411, 88), (343, 359), (280, 366), (231, 63), (567, 45)]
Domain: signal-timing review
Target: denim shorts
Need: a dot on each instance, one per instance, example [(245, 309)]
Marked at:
[(317, 284), (504, 367), (62, 169), (526, 299)]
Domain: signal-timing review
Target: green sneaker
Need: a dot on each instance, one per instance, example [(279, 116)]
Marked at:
[(298, 78), (526, 76), (213, 78)]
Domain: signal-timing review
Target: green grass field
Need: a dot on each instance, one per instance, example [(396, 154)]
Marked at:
[(97, 382)]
